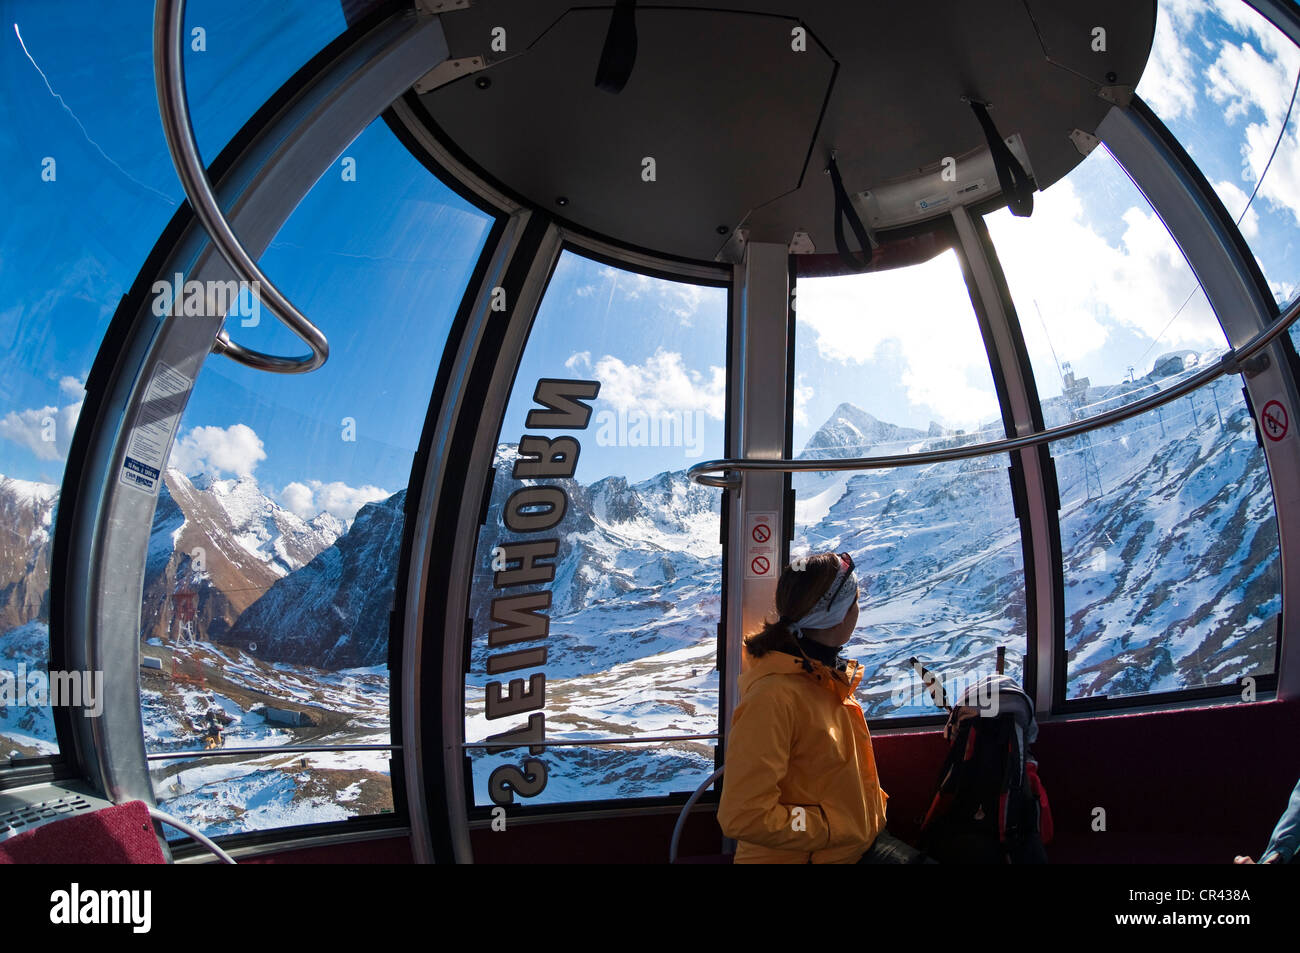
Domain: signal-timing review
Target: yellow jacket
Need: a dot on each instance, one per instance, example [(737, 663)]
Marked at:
[(799, 740)]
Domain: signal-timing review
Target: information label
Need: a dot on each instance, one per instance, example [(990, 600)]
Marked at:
[(155, 426), (760, 546)]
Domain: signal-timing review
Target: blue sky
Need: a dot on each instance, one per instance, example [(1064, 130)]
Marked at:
[(658, 348), (380, 259), (384, 259)]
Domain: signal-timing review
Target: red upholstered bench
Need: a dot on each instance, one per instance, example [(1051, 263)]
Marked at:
[(113, 835)]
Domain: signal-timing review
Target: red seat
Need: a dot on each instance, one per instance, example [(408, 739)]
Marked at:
[(114, 835)]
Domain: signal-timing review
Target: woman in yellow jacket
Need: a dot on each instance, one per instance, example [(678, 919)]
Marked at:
[(800, 784)]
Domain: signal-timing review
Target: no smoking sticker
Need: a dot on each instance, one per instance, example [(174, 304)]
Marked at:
[(1274, 420), (760, 546)]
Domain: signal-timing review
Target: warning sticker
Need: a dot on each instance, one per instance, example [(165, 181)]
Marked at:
[(1274, 420), (155, 426), (760, 546)]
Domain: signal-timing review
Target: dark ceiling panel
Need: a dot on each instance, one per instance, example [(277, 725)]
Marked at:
[(732, 115)]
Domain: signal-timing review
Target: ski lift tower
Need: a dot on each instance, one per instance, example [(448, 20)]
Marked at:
[(186, 608), (1075, 391)]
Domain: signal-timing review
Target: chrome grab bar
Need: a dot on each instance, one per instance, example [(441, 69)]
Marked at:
[(1233, 362), (258, 751), (192, 832), (173, 106), (686, 810), (590, 742)]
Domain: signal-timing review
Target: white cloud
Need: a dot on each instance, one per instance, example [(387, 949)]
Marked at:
[(1234, 200), (1083, 284), (1255, 79), (1168, 84), (72, 386), (45, 431), (662, 385), (338, 499), (299, 499), (1055, 263), (236, 449), (1281, 186), (1250, 80), (675, 297), (802, 394), (925, 312)]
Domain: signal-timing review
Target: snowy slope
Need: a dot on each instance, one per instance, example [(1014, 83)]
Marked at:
[(25, 730), (333, 612), (225, 541)]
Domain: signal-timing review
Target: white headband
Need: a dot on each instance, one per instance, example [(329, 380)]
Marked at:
[(827, 613)]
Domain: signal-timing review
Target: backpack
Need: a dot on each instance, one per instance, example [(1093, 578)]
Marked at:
[(989, 806)]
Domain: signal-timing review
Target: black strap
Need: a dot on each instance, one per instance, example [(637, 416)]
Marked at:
[(1017, 186), (618, 55), (844, 209)]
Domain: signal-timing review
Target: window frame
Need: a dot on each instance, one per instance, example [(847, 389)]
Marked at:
[(949, 239), (635, 262)]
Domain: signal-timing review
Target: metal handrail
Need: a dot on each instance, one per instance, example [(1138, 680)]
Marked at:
[(587, 742), (173, 106), (267, 749), (1233, 362), (686, 810), (191, 831)]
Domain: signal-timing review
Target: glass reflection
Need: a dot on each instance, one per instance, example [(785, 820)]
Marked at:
[(629, 606), (88, 186)]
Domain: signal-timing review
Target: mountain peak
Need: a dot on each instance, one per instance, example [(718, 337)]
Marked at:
[(851, 432), (28, 492)]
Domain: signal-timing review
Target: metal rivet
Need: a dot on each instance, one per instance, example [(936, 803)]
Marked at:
[(483, 82), (1111, 77), (561, 200), (722, 229)]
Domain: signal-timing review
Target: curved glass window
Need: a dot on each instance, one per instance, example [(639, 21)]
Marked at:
[(1171, 550), (894, 362), (596, 594), (1168, 535), (88, 186), (278, 529), (1224, 80)]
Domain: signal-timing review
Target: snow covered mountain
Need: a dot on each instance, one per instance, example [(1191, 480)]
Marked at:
[(636, 569), (228, 543), (223, 539), (27, 515), (1169, 542), (333, 612), (1171, 550), (851, 432), (26, 731)]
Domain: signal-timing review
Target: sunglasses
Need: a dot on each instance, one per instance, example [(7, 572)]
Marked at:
[(846, 563)]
